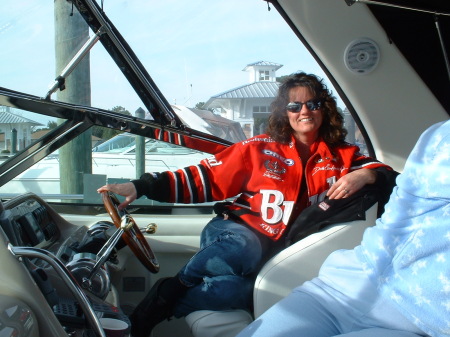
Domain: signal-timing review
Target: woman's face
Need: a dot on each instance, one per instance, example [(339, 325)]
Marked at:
[(306, 122)]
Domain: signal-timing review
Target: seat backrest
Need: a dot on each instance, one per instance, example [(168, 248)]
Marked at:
[(301, 261)]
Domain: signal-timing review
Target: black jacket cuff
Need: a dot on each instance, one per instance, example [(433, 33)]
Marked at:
[(154, 186)]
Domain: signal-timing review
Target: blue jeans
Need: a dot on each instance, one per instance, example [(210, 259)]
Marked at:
[(222, 273)]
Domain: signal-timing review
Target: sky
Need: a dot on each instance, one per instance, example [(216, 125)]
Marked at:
[(192, 49)]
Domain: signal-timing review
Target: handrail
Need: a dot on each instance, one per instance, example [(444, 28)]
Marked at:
[(387, 4), (67, 278), (46, 196)]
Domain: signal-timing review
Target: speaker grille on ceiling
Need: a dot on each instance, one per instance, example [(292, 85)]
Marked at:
[(361, 56)]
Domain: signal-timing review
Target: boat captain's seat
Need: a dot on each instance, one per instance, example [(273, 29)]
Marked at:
[(285, 271)]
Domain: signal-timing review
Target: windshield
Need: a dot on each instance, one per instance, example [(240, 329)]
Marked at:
[(117, 144), (207, 66)]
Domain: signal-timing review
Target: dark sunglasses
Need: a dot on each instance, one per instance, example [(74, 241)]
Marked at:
[(313, 104)]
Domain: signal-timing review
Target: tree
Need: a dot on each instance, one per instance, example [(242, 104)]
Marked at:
[(199, 105), (52, 125), (121, 110), (281, 79), (106, 134)]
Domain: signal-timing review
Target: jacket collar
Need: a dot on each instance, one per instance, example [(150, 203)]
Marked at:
[(320, 151)]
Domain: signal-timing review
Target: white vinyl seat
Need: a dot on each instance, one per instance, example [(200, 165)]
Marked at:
[(208, 323), (282, 273)]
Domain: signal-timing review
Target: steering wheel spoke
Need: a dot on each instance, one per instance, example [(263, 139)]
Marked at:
[(132, 236)]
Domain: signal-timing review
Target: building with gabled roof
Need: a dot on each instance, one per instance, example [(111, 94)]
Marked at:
[(249, 104), (262, 71), (12, 122)]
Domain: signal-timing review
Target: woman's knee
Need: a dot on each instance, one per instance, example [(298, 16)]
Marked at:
[(217, 293)]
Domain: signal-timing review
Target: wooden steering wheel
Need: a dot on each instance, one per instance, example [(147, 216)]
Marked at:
[(133, 237)]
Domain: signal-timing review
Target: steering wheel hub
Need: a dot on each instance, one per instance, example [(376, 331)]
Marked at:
[(81, 266)]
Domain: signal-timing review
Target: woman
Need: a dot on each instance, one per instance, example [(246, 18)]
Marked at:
[(302, 159)]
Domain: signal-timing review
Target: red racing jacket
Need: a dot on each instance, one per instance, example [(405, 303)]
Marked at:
[(263, 176)]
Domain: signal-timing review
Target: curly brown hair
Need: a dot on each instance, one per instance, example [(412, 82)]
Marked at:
[(332, 130)]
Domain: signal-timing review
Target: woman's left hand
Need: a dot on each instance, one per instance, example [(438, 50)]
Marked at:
[(351, 183)]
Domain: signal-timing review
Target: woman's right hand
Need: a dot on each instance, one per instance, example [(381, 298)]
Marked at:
[(126, 190)]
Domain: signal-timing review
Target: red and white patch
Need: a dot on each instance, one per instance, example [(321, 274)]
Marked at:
[(324, 206)]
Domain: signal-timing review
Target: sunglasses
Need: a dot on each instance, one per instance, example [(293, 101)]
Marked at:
[(312, 105)]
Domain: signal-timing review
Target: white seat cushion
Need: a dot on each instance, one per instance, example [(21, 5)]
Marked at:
[(227, 323)]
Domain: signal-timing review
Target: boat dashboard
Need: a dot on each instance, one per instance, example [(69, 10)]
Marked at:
[(63, 261)]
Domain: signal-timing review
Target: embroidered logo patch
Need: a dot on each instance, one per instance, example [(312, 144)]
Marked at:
[(274, 167), (288, 162), (324, 206), (274, 170)]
